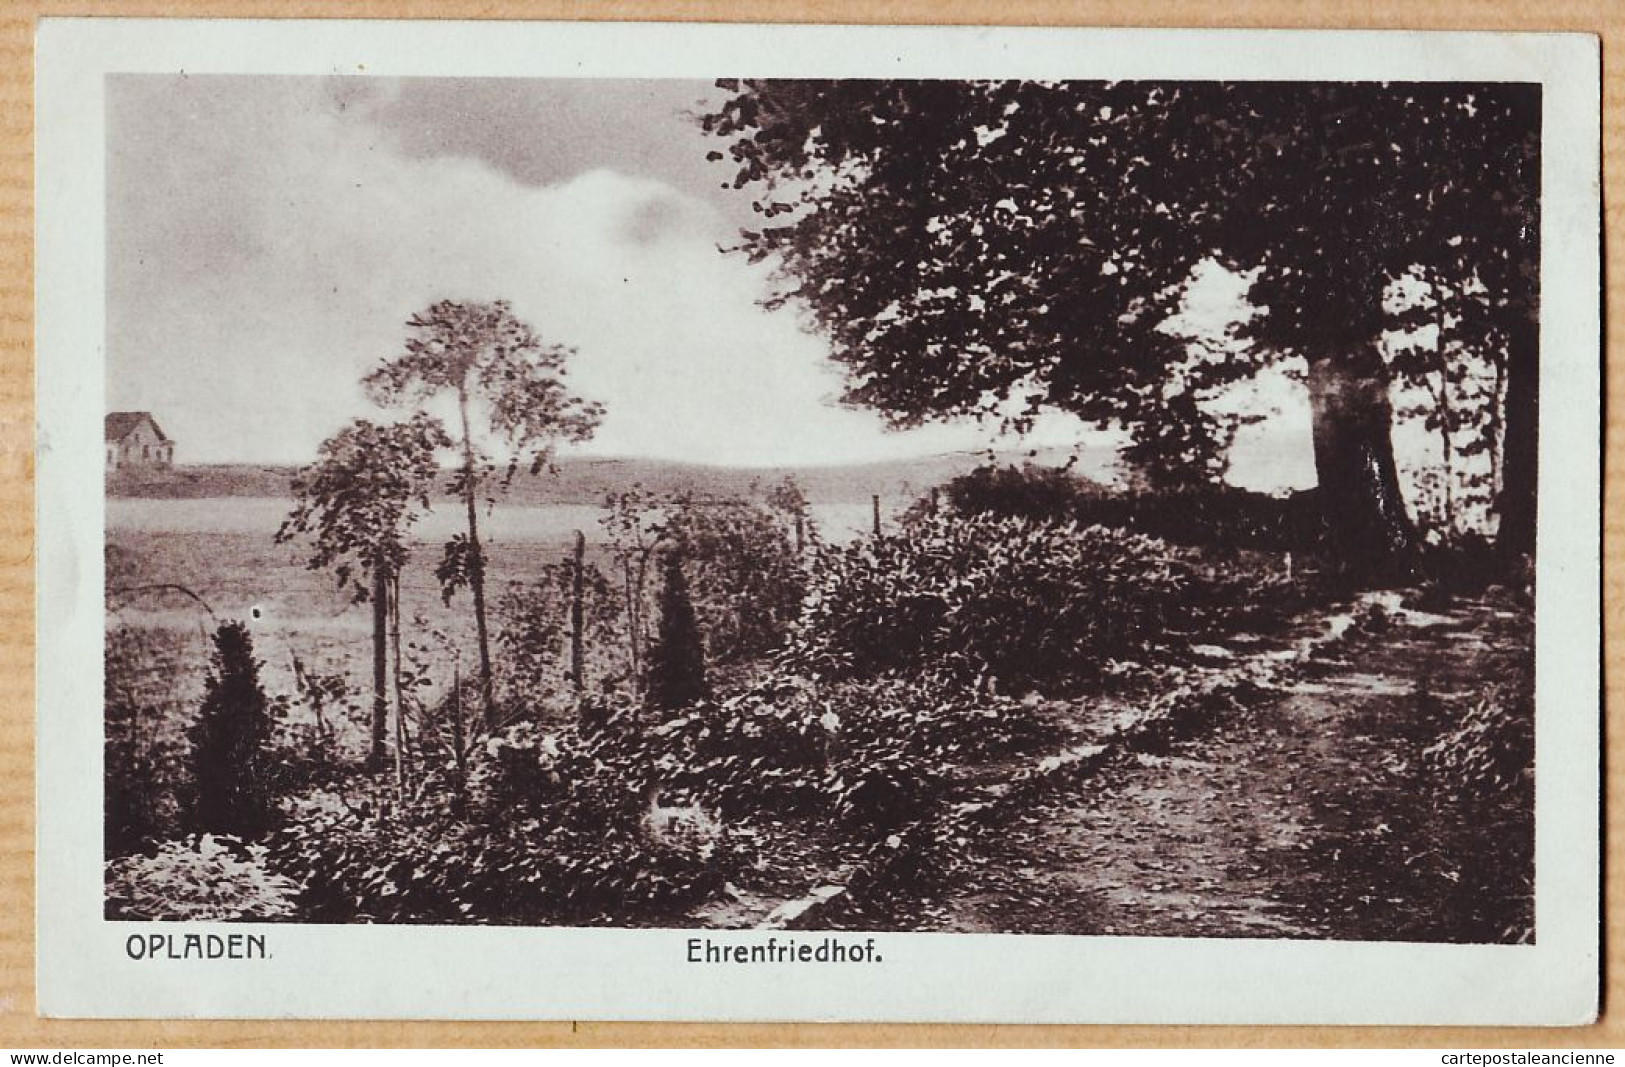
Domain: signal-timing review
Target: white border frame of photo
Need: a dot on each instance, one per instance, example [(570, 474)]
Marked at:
[(85, 966)]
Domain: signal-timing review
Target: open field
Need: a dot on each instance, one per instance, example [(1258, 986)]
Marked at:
[(223, 549)]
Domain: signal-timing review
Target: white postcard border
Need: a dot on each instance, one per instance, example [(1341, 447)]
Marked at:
[(504, 972)]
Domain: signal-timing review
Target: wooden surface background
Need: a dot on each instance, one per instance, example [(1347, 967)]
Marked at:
[(20, 1027)]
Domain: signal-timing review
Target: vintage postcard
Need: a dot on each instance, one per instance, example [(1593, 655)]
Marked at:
[(817, 523)]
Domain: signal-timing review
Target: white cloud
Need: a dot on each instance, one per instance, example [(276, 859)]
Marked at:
[(269, 248)]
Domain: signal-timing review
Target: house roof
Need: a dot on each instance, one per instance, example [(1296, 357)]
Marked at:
[(120, 424)]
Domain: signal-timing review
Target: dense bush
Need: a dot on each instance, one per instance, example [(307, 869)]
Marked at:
[(886, 785), (145, 750), (575, 855), (765, 749), (1025, 492), (403, 868), (233, 769), (788, 745), (533, 637), (1022, 600), (1480, 769), (1466, 566), (516, 771), (204, 879), (1218, 516), (935, 717), (131, 802), (677, 657), (743, 571)]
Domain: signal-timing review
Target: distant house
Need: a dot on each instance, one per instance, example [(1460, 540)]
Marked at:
[(134, 441)]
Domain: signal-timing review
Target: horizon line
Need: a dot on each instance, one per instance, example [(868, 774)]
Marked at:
[(1030, 452)]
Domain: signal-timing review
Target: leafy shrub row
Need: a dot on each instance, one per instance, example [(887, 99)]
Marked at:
[(856, 748), (557, 828), (1022, 600), (574, 854)]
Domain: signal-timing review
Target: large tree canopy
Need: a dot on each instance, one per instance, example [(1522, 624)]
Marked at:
[(969, 245)]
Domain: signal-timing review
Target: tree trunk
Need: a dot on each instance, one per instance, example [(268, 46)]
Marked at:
[(476, 583), (1521, 434), (1367, 529), (400, 689), (476, 569), (379, 731)]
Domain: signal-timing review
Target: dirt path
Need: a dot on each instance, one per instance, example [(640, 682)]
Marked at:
[(1304, 816)]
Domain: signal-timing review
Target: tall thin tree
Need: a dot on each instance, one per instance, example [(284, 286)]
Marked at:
[(368, 485), (508, 386)]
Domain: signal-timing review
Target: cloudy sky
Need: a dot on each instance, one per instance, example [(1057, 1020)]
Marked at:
[(269, 236)]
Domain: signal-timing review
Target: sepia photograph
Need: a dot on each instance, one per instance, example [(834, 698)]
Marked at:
[(826, 507)]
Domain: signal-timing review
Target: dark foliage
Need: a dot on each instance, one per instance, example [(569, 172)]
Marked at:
[(1466, 566), (555, 834), (765, 749), (147, 755), (1210, 515), (533, 637), (677, 658), (232, 767), (744, 572), (1025, 492), (1216, 516), (1486, 749), (408, 866), (963, 243), (130, 802)]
